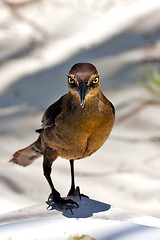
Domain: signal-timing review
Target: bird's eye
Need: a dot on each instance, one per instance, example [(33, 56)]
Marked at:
[(71, 80), (95, 80)]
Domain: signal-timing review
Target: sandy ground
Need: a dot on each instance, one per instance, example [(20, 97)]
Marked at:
[(96, 219), (37, 50)]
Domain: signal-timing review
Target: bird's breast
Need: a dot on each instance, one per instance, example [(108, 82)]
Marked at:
[(79, 135)]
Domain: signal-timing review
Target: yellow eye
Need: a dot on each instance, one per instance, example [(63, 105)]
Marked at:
[(70, 80), (96, 80)]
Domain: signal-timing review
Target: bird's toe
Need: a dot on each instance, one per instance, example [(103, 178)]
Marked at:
[(76, 192), (50, 197), (61, 203)]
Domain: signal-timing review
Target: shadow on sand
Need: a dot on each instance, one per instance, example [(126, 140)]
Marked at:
[(87, 207)]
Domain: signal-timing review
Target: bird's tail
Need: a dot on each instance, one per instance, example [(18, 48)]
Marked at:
[(27, 155)]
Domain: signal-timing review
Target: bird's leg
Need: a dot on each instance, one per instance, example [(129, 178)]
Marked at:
[(54, 197), (74, 191)]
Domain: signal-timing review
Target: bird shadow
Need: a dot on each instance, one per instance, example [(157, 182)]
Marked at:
[(87, 207)]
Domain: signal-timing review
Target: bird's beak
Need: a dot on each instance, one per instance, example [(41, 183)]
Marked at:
[(82, 91)]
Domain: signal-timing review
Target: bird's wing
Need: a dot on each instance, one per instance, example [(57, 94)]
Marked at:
[(48, 119)]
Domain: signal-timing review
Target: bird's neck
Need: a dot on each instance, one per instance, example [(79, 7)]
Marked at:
[(90, 106)]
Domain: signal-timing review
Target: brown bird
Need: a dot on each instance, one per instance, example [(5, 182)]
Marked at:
[(73, 127)]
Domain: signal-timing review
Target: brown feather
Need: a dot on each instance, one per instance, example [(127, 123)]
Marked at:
[(25, 156)]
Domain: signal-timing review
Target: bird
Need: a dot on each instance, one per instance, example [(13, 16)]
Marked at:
[(74, 127)]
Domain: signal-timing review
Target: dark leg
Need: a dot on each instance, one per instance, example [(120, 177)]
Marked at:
[(74, 191), (49, 157)]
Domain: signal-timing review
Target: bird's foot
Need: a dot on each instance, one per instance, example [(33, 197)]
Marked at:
[(76, 192), (61, 203)]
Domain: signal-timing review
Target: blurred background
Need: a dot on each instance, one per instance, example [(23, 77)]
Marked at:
[(39, 42)]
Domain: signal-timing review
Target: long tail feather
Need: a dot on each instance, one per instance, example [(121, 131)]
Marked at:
[(26, 156)]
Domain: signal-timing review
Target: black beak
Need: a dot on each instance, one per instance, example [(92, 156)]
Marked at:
[(82, 91)]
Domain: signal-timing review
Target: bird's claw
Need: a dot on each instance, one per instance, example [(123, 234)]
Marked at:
[(76, 192), (66, 204)]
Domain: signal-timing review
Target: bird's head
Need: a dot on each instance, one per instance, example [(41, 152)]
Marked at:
[(83, 81)]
